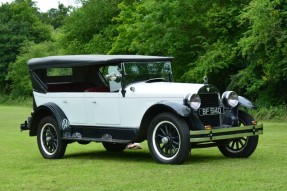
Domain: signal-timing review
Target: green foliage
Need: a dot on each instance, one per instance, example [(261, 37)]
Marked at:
[(87, 30), (16, 101), (219, 58), (270, 113), (18, 70), (18, 23), (239, 45), (245, 50), (264, 45), (161, 28), (56, 17), (59, 71)]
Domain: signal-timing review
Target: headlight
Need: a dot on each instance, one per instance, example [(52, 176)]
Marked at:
[(193, 100), (230, 98)]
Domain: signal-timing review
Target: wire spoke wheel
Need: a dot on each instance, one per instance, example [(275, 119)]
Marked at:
[(49, 139), (238, 144), (241, 147), (168, 139)]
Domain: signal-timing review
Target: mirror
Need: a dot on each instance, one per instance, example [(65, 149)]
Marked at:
[(113, 77)]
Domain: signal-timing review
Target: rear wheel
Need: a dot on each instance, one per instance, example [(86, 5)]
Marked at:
[(241, 147), (168, 139), (49, 139), (114, 147)]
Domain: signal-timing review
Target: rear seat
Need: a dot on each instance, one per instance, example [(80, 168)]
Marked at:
[(98, 89)]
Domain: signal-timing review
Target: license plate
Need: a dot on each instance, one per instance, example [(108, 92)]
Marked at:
[(211, 111)]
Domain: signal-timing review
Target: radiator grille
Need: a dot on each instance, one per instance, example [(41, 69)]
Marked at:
[(210, 100)]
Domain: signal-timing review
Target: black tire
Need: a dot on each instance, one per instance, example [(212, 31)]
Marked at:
[(114, 147), (49, 139), (168, 139), (240, 147)]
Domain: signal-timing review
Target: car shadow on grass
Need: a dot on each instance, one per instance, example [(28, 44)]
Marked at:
[(131, 156), (205, 158), (141, 156)]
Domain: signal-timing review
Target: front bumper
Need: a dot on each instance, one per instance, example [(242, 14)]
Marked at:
[(225, 133)]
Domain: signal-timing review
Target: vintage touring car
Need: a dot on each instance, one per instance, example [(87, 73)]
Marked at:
[(121, 99)]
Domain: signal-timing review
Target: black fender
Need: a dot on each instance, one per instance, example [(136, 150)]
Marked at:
[(159, 107), (177, 108), (53, 110), (246, 102), (243, 115), (195, 123)]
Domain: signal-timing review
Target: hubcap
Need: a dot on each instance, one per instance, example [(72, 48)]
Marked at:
[(164, 140), (48, 139)]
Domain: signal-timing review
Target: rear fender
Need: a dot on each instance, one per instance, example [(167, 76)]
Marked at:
[(53, 110)]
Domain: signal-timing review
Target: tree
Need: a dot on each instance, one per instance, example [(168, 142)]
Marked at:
[(169, 27), (18, 71), (264, 45), (239, 44), (220, 58), (18, 23), (88, 29), (56, 17)]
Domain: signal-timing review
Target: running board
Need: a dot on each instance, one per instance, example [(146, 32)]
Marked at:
[(97, 140)]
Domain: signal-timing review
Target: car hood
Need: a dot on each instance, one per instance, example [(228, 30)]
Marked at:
[(161, 89)]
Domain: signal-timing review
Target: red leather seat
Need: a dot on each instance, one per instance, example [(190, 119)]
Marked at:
[(98, 89)]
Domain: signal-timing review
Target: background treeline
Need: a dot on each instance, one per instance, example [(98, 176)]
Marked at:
[(239, 44)]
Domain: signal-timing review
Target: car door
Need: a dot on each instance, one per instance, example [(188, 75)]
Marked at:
[(102, 108)]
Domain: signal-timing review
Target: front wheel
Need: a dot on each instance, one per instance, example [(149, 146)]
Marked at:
[(168, 139), (241, 147), (49, 139)]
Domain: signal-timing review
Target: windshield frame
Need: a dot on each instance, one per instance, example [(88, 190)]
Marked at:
[(147, 71)]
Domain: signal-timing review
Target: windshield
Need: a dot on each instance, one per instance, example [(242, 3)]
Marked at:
[(147, 71)]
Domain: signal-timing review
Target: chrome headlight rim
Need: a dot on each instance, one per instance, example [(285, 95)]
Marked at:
[(193, 101), (230, 99)]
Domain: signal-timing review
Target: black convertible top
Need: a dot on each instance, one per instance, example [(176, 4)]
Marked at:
[(80, 60)]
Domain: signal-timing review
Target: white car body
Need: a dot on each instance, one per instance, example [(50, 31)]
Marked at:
[(111, 108), (122, 99)]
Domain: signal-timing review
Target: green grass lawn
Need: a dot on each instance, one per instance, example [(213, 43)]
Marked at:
[(90, 167)]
